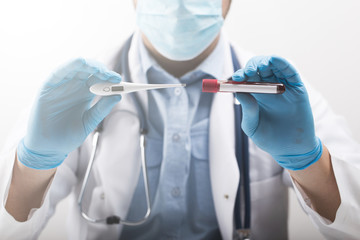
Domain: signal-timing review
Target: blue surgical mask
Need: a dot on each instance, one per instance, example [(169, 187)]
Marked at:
[(180, 29)]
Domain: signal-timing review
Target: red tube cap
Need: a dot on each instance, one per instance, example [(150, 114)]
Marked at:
[(210, 85)]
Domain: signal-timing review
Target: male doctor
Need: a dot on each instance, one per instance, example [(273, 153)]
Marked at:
[(294, 140)]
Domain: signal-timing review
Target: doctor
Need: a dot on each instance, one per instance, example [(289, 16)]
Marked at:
[(294, 140)]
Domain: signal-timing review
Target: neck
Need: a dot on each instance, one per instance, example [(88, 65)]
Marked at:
[(179, 68)]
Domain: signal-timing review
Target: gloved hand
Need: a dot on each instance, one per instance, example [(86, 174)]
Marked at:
[(62, 116), (281, 125)]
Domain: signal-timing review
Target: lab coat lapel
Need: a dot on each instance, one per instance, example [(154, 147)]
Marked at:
[(223, 165)]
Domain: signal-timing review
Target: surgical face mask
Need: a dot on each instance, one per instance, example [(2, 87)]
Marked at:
[(180, 29)]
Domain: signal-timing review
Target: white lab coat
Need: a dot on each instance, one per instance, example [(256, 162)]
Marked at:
[(117, 167)]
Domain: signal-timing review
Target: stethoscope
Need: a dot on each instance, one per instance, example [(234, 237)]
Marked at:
[(242, 215), (115, 219)]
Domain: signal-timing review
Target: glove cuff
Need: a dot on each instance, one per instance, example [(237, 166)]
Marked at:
[(38, 161), (300, 162)]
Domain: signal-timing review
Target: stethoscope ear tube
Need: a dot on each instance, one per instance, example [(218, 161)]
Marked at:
[(115, 219)]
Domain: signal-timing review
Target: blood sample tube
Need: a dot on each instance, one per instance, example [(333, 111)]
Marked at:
[(214, 85)]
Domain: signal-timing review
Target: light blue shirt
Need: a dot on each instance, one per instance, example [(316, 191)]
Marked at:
[(177, 155)]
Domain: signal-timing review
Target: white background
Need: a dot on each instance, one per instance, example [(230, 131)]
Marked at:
[(321, 37)]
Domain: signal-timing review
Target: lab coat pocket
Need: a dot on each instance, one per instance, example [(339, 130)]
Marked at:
[(269, 204), (267, 187), (100, 208), (98, 205)]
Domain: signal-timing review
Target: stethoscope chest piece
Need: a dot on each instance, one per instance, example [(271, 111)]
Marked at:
[(242, 234)]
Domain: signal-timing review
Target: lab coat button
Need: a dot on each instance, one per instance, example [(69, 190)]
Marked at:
[(176, 192), (102, 196)]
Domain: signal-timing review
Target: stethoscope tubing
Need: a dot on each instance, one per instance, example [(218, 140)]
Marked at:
[(115, 219)]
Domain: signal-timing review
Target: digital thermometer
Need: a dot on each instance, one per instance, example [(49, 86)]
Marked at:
[(109, 89)]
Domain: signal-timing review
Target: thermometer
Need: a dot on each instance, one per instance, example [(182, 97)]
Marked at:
[(108, 89)]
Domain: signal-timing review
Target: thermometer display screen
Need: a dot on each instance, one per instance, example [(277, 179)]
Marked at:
[(117, 88)]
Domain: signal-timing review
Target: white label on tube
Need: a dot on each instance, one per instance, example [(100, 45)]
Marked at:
[(248, 88)]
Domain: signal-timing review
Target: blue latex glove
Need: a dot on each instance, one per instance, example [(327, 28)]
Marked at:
[(281, 125), (62, 116)]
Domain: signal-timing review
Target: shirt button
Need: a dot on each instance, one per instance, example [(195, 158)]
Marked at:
[(177, 91), (176, 137), (175, 192)]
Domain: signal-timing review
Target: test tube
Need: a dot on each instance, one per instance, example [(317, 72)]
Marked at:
[(214, 86)]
